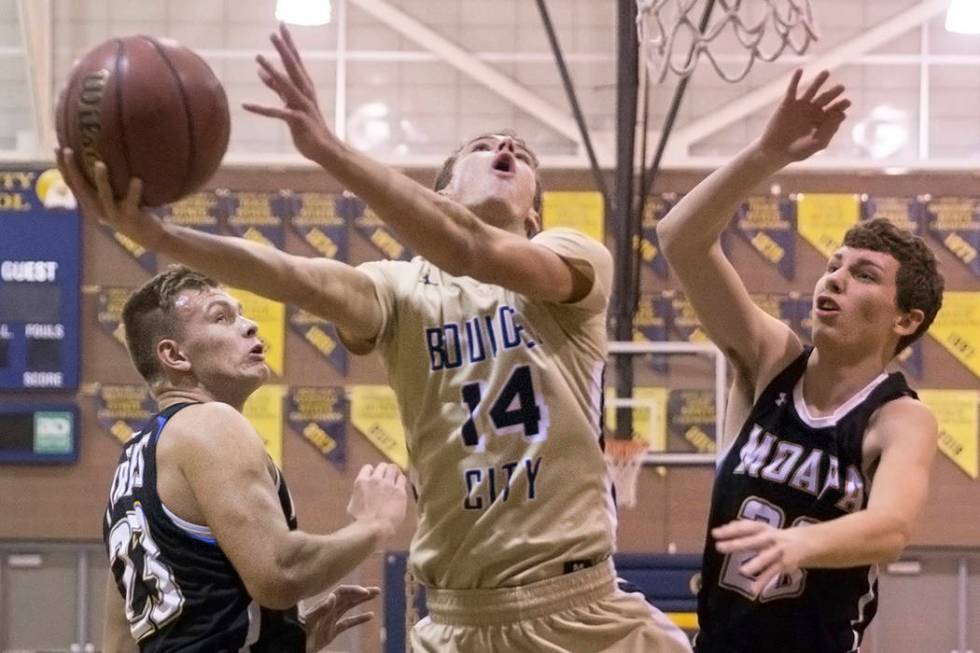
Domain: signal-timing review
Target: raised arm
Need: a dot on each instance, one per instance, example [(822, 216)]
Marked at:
[(330, 289), (801, 125), (228, 471), (441, 229)]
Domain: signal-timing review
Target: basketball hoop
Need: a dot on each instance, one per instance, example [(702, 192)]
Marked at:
[(624, 459), (673, 41)]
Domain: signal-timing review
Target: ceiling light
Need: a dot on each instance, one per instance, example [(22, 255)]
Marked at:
[(303, 12), (963, 17)]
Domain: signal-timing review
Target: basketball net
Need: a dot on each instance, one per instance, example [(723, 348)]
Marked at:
[(624, 459), (672, 41)]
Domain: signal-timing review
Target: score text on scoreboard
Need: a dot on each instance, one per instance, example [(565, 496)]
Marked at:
[(40, 254)]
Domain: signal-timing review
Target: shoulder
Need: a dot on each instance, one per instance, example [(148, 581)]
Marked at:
[(211, 427), (564, 241), (903, 422)]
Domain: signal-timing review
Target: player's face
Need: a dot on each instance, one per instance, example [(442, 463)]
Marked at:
[(854, 301), (221, 344), (494, 177)]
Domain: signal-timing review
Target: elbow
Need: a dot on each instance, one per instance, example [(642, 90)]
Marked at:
[(895, 540), (278, 592), (665, 236)]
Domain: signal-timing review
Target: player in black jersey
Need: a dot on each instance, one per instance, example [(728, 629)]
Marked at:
[(825, 465), (200, 528)]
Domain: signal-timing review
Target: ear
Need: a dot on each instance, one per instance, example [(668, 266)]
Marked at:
[(532, 223), (907, 323), (171, 357)]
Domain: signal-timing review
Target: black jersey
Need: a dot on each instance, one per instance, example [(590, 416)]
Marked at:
[(180, 590), (789, 469)]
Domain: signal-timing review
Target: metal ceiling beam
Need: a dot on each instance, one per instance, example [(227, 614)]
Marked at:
[(468, 64), (842, 54), (36, 28)]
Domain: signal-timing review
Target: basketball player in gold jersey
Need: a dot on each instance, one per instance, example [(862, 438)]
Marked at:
[(494, 343)]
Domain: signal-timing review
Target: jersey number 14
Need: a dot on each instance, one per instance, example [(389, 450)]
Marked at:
[(514, 409)]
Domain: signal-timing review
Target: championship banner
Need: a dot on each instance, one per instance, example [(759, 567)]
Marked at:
[(321, 335), (319, 219), (320, 415), (649, 406), (804, 317), (374, 412), (959, 425), (824, 218), (146, 259), (682, 321), (264, 411), (782, 306), (768, 224), (369, 225), (580, 210), (651, 324), (123, 409), (200, 211), (957, 328), (955, 221), (257, 217), (270, 316), (109, 307), (691, 421), (654, 210), (903, 212)]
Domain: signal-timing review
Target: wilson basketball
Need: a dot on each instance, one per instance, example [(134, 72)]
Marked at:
[(148, 108)]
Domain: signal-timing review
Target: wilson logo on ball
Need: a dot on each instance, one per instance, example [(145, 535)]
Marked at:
[(89, 115)]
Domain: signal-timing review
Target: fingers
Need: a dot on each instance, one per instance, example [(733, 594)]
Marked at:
[(739, 528), (765, 579), (356, 620), (134, 195), (288, 115), (287, 37), (839, 107), (762, 561), (292, 63), (815, 85), (284, 87), (828, 96), (102, 185), (794, 84), (364, 474)]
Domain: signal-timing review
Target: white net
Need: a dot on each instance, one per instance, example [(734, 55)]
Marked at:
[(624, 459), (738, 33)]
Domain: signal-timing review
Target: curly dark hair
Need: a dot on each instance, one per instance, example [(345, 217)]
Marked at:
[(149, 317), (919, 284), (446, 172)]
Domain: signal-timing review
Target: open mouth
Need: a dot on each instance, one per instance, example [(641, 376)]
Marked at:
[(257, 351), (504, 163), (826, 304)]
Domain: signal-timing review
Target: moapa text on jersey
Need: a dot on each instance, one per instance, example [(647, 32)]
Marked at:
[(477, 339), (767, 457), (129, 473)]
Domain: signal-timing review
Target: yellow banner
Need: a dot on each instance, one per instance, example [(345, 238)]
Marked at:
[(649, 415), (580, 210), (957, 327), (271, 318), (824, 218), (959, 425), (264, 410), (374, 412)]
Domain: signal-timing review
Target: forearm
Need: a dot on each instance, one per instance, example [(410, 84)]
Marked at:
[(695, 224), (438, 228), (862, 538), (314, 563)]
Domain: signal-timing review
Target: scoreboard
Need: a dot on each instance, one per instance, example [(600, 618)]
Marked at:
[(40, 268)]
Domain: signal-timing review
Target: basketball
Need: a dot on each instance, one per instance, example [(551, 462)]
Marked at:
[(147, 108)]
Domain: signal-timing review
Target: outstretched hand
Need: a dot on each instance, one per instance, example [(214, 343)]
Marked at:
[(804, 124), (126, 216), (300, 109), (326, 620)]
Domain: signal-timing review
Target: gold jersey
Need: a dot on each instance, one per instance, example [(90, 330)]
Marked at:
[(501, 398)]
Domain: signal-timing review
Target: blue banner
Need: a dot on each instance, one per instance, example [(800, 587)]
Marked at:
[(258, 217), (321, 335), (200, 211), (319, 220), (369, 225), (768, 225), (651, 324), (320, 416), (691, 421), (904, 212), (109, 307), (955, 221)]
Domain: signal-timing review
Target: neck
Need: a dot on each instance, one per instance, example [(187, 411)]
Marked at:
[(168, 394), (830, 380)]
